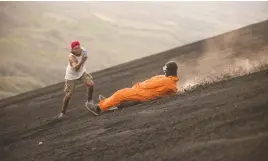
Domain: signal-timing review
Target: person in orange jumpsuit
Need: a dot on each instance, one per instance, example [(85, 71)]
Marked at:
[(151, 89)]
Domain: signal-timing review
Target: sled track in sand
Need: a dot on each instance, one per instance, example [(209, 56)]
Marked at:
[(227, 120)]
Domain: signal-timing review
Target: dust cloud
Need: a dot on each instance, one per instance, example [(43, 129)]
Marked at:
[(222, 58)]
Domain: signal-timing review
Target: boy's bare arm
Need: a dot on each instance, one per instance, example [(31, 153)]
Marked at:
[(74, 63)]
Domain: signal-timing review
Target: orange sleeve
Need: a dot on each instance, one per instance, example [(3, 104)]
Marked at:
[(163, 84), (173, 89), (156, 82)]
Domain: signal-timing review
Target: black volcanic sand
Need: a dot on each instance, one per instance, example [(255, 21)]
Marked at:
[(226, 121)]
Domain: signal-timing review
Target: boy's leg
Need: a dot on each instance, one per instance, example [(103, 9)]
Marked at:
[(87, 79), (69, 89), (90, 93)]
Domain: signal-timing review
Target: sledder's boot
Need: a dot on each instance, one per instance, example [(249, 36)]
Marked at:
[(90, 103), (94, 109), (101, 97)]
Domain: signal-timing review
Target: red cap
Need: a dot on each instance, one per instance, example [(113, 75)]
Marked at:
[(75, 43)]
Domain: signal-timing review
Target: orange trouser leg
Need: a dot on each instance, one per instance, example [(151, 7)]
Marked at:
[(126, 94)]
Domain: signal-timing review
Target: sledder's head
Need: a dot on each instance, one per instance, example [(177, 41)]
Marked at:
[(76, 48), (170, 68)]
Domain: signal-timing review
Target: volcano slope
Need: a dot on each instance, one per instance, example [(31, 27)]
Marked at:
[(223, 121)]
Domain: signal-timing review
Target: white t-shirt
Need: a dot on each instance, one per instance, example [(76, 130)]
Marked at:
[(71, 73)]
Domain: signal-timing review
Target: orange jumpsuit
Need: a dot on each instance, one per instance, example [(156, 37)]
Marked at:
[(157, 86)]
